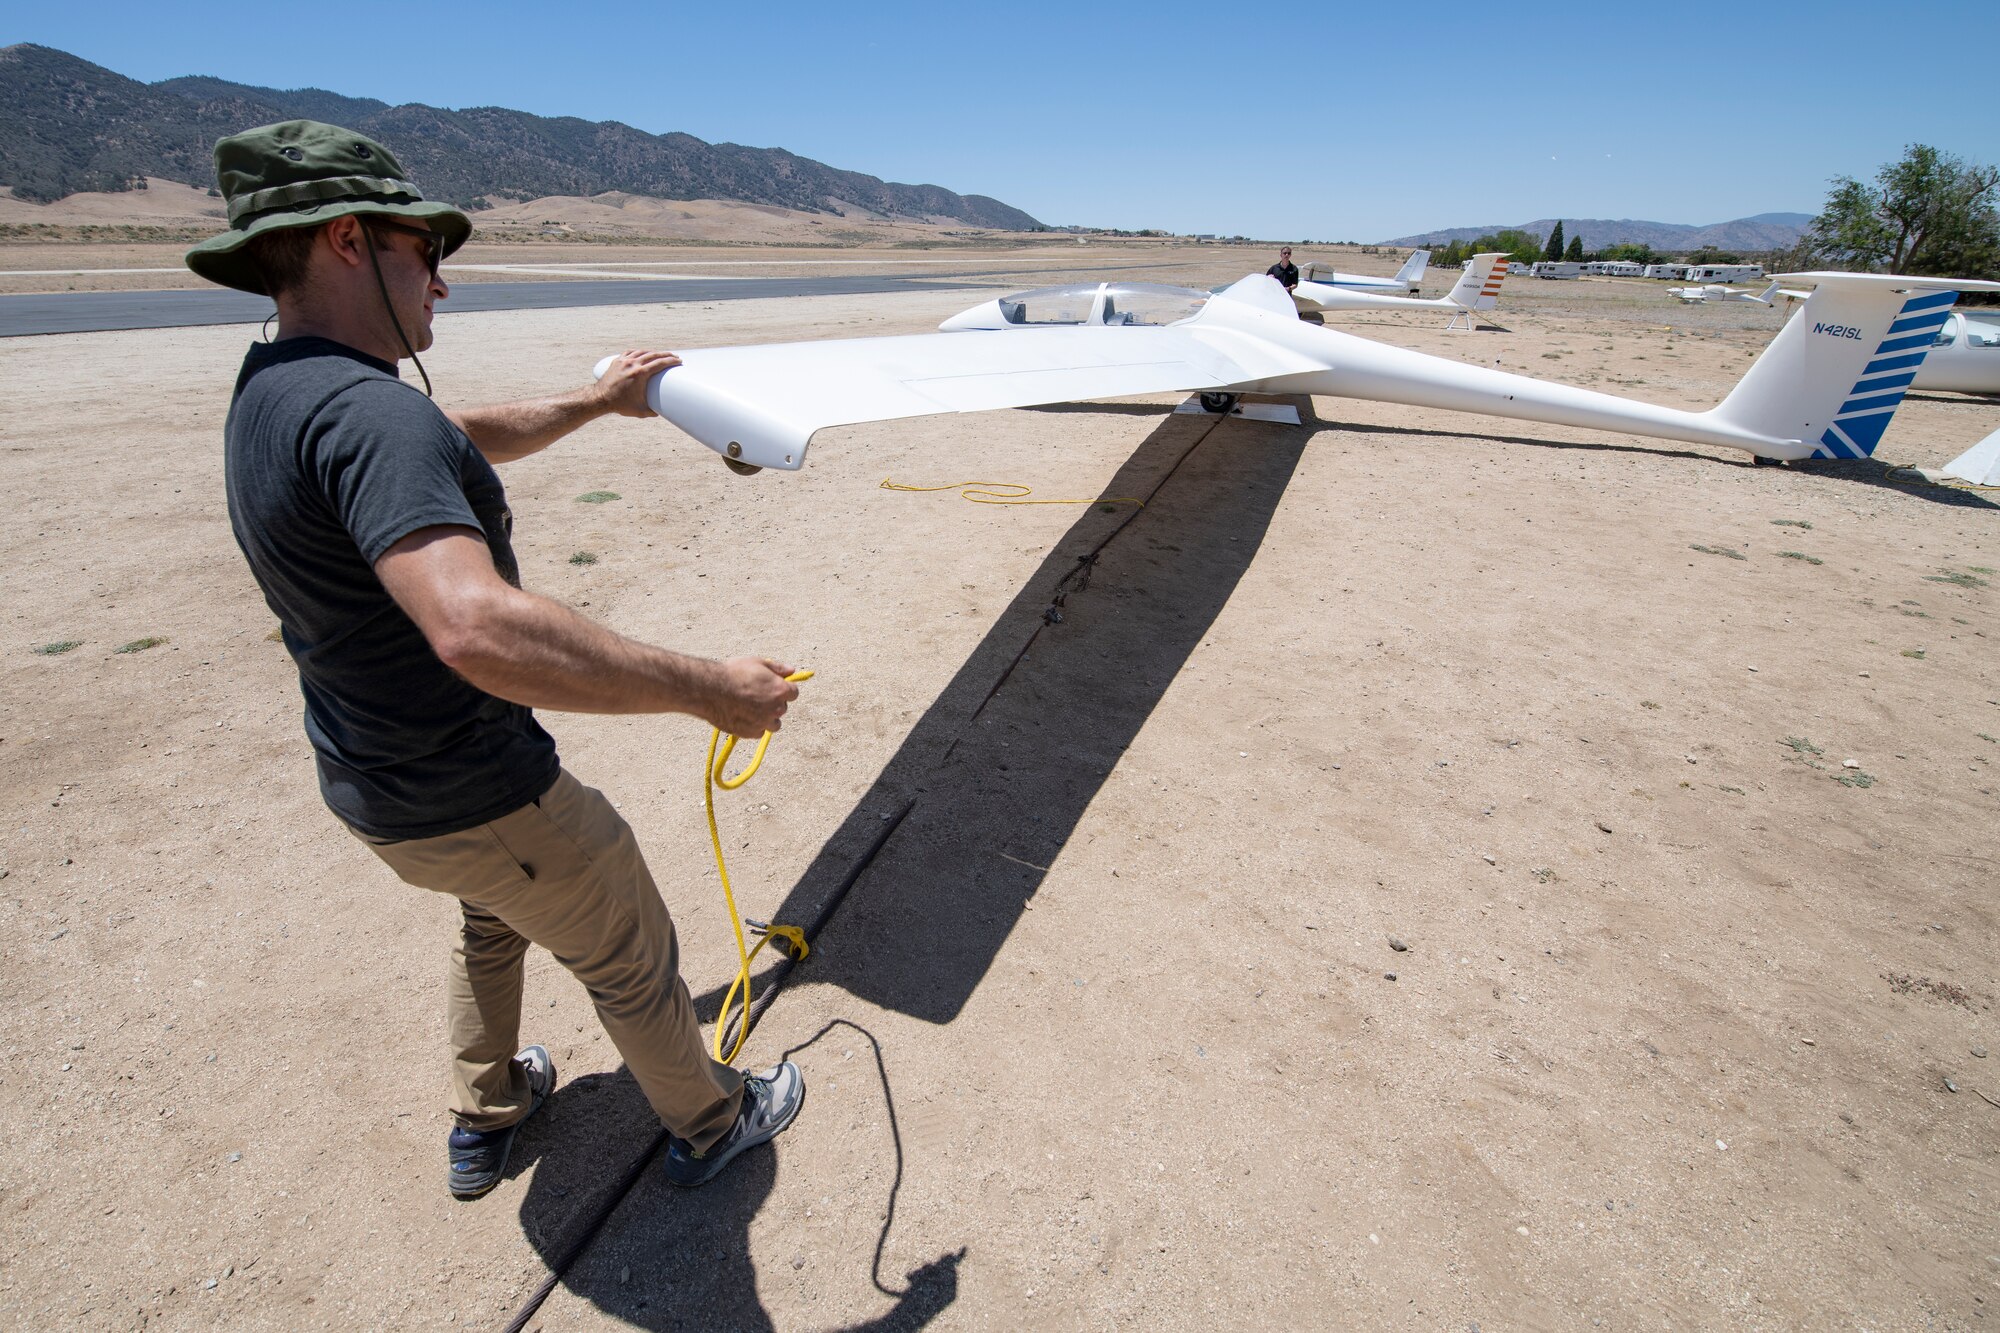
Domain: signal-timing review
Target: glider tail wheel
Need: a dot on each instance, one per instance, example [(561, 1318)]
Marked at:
[(741, 469), (1220, 403)]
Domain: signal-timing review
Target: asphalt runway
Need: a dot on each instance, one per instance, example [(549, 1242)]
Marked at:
[(97, 312)]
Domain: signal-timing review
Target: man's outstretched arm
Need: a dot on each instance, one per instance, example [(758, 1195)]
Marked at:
[(507, 431), (529, 650)]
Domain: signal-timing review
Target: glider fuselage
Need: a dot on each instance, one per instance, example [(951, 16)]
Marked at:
[(1966, 357)]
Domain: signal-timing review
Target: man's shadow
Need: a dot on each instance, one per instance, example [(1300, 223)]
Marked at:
[(1000, 768), (1006, 760), (673, 1259)]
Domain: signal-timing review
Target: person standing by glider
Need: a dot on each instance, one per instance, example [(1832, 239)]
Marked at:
[(380, 535), (1285, 271)]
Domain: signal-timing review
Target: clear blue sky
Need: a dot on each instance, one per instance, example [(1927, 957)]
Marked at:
[(1286, 121)]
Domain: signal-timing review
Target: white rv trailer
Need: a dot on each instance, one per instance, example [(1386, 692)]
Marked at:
[(1555, 268), (1675, 272), (1706, 273), (1616, 268)]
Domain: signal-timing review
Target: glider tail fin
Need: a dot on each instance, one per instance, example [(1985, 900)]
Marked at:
[(1836, 372), (1412, 271), (1478, 287)]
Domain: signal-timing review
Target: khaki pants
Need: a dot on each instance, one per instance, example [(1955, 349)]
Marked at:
[(565, 872)]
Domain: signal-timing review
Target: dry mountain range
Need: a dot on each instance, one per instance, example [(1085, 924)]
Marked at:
[(1765, 231), (67, 125)]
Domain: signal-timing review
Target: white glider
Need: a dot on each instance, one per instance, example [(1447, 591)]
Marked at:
[(1965, 358), (1477, 288), (1826, 386), (1718, 294), (1408, 278), (1979, 465)]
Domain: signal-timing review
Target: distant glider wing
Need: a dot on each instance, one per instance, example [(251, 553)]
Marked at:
[(761, 406)]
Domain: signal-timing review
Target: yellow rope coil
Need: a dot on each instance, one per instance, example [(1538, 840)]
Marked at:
[(1007, 493), (712, 777)]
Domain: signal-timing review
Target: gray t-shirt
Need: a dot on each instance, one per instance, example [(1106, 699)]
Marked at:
[(329, 461)]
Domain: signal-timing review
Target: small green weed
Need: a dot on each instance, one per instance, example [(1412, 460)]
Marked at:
[(1648, 703), (598, 497), (584, 558), (1956, 579), (1984, 737), (1801, 746), (139, 645), (1791, 523), (1920, 615), (1979, 569), (1801, 555), (1917, 653), (1734, 791), (58, 648), (1718, 550), (1855, 779)]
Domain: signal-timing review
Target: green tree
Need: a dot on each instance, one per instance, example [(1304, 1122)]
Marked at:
[(1523, 247), (1708, 254), (1927, 213), (1630, 252), (1554, 250), (1575, 252)]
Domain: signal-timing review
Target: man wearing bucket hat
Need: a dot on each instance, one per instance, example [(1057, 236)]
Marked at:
[(380, 534)]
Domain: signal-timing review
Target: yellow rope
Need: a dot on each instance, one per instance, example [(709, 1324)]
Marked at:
[(712, 778), (1955, 484), (1007, 493)]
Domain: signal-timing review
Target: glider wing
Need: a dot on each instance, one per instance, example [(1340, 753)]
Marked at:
[(760, 406)]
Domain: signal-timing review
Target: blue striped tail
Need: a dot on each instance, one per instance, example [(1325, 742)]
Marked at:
[(1859, 425)]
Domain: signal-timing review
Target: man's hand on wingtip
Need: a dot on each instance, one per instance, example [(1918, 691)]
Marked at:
[(622, 388)]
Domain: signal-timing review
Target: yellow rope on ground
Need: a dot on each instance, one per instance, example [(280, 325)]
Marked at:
[(1954, 484), (712, 778), (996, 493)]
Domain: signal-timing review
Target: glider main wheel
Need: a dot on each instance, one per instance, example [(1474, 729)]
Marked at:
[(1758, 460), (1220, 403)]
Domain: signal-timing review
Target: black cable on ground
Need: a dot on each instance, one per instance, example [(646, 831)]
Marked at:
[(574, 1250)]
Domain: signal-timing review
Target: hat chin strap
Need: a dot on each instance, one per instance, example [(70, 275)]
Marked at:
[(389, 307)]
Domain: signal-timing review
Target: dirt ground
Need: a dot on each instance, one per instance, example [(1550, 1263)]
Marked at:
[(1436, 873)]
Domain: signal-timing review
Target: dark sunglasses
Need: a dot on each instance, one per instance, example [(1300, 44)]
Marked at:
[(433, 242)]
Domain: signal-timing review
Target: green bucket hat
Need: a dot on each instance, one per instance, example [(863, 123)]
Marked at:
[(301, 173)]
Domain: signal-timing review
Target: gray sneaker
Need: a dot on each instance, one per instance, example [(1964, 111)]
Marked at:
[(770, 1100), (478, 1159)]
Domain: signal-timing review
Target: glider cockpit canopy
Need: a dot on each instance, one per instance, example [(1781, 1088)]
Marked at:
[(1085, 304)]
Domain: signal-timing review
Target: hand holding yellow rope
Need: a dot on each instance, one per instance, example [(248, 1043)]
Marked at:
[(712, 777)]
